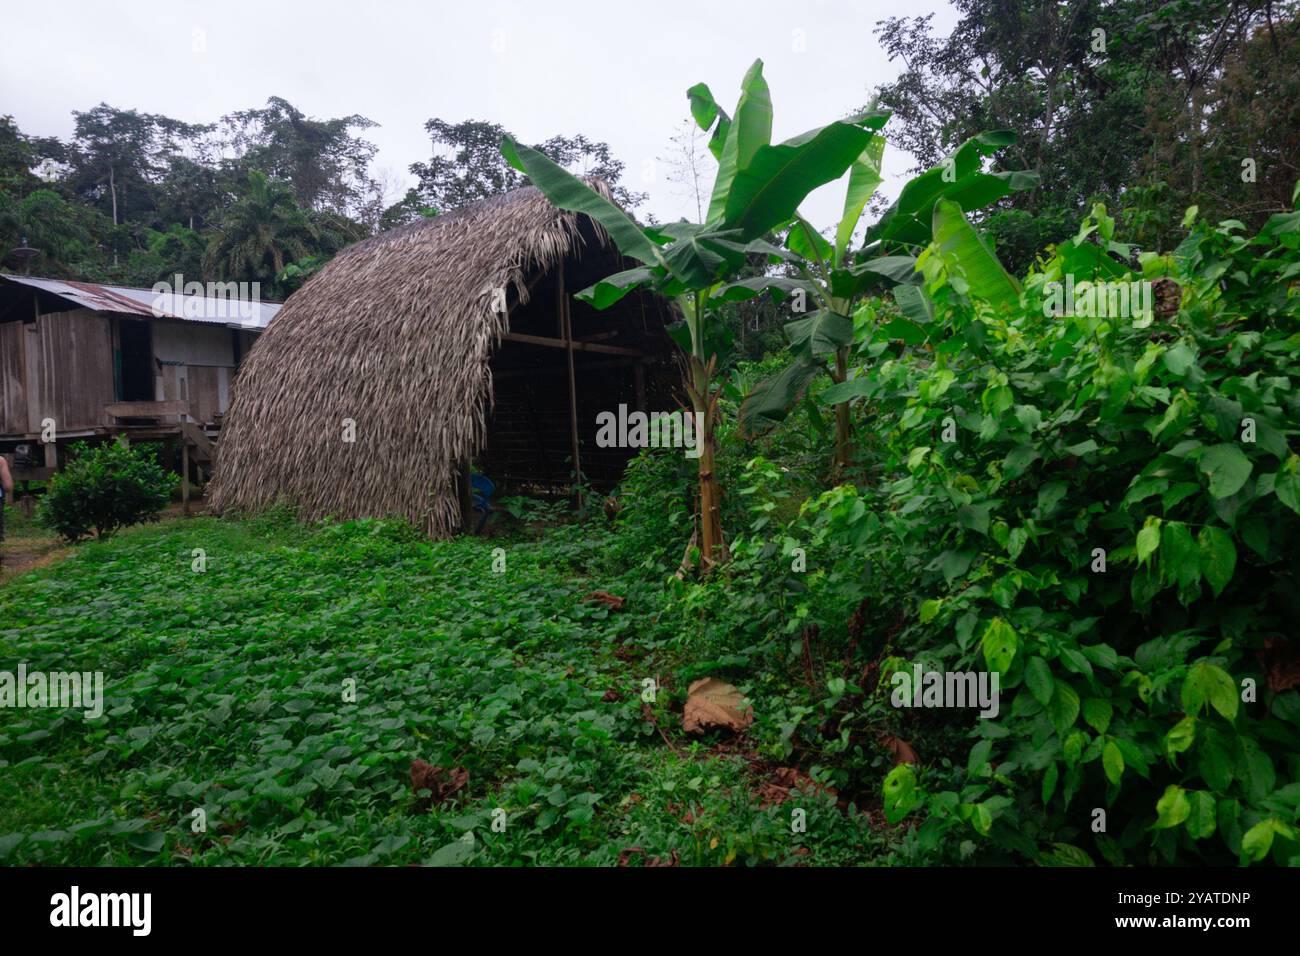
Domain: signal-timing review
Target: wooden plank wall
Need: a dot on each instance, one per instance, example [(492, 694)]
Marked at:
[(76, 350), (13, 394)]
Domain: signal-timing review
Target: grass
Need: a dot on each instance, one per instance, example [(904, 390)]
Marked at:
[(227, 693)]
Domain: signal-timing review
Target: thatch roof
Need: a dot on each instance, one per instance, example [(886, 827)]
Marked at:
[(395, 333)]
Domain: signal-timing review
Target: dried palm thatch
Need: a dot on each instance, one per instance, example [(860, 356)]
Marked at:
[(395, 334)]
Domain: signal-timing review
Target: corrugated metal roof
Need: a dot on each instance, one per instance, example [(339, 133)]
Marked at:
[(236, 313)]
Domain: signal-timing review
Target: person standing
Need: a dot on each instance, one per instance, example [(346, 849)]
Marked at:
[(6, 492)]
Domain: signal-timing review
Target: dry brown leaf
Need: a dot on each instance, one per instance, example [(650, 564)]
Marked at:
[(714, 703), (613, 601), (441, 783), (899, 749), (783, 782), (1281, 663)]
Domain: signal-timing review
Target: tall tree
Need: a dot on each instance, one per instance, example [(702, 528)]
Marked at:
[(326, 162), (467, 165), (259, 234)]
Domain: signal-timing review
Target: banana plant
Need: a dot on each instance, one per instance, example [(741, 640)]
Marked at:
[(758, 188), (833, 278)]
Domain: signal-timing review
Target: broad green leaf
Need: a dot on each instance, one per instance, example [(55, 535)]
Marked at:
[(1181, 736), (1258, 840), (1205, 684), (1172, 808), (769, 189), (568, 192), (1097, 713), (1227, 468), (1218, 557), (749, 131), (771, 400), (780, 288), (1063, 709), (999, 645), (1286, 484), (1148, 540), (807, 242), (1038, 678), (895, 268), (1180, 560), (821, 333), (1202, 819), (1112, 762), (864, 178), (846, 391), (611, 289), (899, 791), (915, 303), (963, 250)]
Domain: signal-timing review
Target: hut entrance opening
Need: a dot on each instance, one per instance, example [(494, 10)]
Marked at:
[(554, 373), (135, 357)]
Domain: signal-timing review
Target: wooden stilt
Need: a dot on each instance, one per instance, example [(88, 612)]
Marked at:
[(465, 493), (185, 475), (562, 306)]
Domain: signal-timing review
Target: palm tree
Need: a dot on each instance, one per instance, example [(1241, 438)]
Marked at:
[(259, 233)]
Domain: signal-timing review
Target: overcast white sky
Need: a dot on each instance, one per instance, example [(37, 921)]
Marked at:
[(614, 71)]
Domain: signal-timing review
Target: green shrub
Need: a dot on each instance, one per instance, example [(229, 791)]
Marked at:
[(1147, 714), (105, 488)]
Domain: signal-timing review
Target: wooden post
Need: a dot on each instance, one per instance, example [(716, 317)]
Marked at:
[(185, 475), (638, 372), (465, 494), (562, 305)]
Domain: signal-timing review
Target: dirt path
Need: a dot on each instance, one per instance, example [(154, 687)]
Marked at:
[(28, 546)]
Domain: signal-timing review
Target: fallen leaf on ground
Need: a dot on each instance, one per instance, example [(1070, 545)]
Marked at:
[(899, 749), (714, 703), (613, 601), (1281, 662), (784, 781), (441, 783)]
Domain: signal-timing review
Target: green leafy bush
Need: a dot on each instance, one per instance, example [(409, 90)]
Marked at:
[(1107, 512), (105, 488)]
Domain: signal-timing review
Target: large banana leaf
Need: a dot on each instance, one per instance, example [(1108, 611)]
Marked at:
[(965, 252), (821, 333), (705, 109), (771, 400), (612, 288), (750, 131), (765, 193), (803, 240), (780, 287), (567, 191), (959, 177), (864, 178)]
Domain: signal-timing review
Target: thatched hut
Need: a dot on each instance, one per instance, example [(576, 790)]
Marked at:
[(446, 341)]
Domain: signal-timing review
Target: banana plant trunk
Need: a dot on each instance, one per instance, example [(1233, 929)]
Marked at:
[(843, 424), (704, 402)]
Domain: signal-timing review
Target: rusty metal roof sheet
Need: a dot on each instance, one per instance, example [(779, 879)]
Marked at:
[(235, 313)]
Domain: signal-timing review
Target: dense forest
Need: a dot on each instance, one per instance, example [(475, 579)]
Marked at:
[(1147, 107)]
